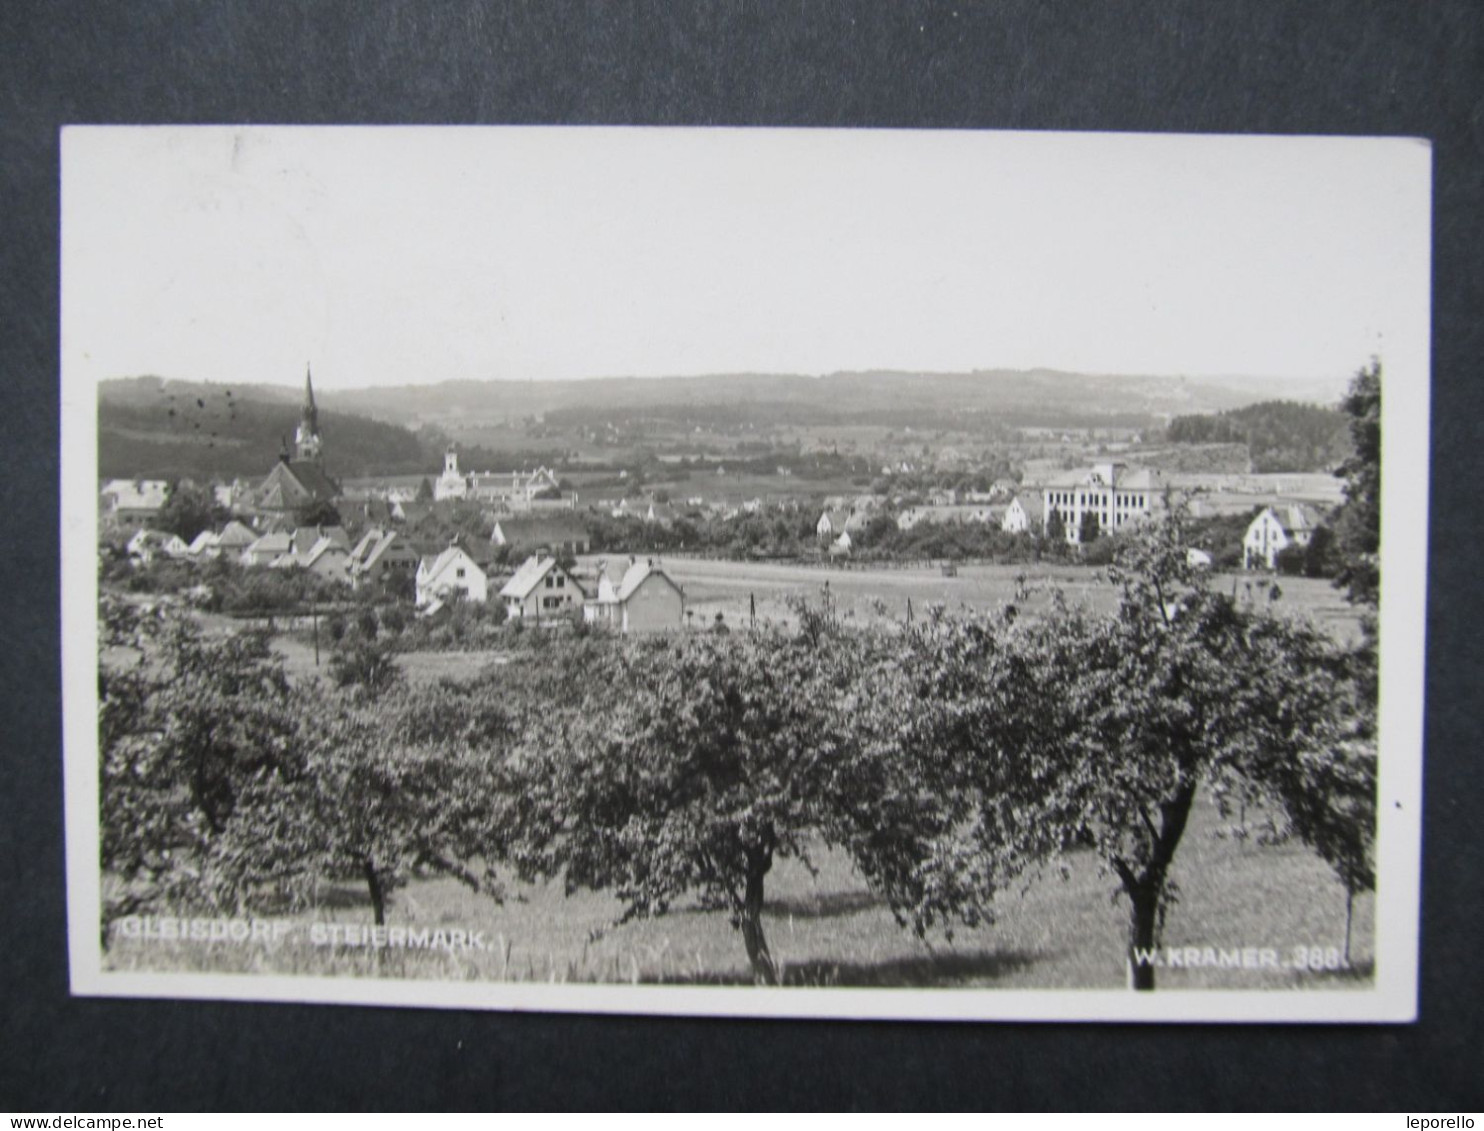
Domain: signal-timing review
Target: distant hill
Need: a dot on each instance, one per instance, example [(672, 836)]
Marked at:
[(1037, 397), (153, 427), (1280, 435), (158, 430)]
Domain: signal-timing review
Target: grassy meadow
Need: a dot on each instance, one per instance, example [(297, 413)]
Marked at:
[(1062, 931)]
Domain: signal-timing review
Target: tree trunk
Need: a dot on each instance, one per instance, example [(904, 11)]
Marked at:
[(1142, 930), (764, 973), (378, 893), (1146, 888), (1349, 918)]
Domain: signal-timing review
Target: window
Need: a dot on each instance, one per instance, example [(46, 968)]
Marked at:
[(549, 581), (561, 582), (459, 572)]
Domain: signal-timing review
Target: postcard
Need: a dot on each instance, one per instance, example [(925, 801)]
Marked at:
[(751, 572)]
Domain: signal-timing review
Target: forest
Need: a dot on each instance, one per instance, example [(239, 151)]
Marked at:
[(1280, 435)]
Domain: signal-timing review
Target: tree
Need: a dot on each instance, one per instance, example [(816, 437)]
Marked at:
[(321, 513), (1074, 730), (1089, 529), (188, 510), (1178, 689), (425, 490), (692, 775), (197, 744), (707, 759), (407, 785), (364, 663), (1056, 527), (1357, 523)]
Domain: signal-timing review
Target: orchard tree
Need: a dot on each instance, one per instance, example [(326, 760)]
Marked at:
[(1358, 522), (196, 733), (1179, 688), (1067, 730), (413, 784), (698, 762), (691, 770)]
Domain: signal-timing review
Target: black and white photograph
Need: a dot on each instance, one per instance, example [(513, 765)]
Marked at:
[(746, 572)]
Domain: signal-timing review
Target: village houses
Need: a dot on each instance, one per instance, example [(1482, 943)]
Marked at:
[(1023, 511), (1274, 530), (555, 533), (541, 590), (129, 502), (148, 545), (452, 574), (381, 556), (644, 599)]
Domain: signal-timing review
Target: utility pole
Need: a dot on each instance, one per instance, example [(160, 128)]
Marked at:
[(314, 620)]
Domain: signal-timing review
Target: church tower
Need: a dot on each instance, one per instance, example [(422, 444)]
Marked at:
[(307, 445)]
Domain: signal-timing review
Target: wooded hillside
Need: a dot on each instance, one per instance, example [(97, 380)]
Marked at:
[(1281, 435)]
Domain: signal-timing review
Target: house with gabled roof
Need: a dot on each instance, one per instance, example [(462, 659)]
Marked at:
[(307, 538), (644, 599), (1022, 514), (328, 559), (557, 534), (832, 522), (147, 545), (984, 514), (234, 538), (450, 573), (268, 549), (127, 501), (541, 590), (1275, 529), (204, 545), (382, 556)]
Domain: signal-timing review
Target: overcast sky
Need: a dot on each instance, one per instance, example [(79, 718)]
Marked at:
[(400, 256)]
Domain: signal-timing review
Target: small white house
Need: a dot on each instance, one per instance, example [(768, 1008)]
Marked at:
[(204, 545), (1273, 531), (452, 571), (147, 545), (1018, 515), (645, 599), (541, 590)]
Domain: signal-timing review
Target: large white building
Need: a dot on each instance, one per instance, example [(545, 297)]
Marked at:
[(1113, 493), (515, 489)]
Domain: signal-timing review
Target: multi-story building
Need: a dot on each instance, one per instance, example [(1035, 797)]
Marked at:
[(1114, 494)]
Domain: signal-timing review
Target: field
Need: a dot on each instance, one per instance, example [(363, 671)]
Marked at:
[(726, 587), (826, 929)]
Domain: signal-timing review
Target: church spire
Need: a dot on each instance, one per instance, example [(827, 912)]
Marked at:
[(306, 438)]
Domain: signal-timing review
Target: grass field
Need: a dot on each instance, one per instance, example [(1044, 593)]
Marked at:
[(719, 586), (826, 929)]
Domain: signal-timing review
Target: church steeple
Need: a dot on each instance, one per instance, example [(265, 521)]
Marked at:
[(306, 438)]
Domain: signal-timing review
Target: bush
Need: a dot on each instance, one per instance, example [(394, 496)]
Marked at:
[(365, 664)]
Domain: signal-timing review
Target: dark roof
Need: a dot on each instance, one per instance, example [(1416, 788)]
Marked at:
[(313, 479), (546, 529), (295, 483)]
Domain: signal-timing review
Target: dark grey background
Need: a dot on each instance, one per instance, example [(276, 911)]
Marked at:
[(1296, 66)]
